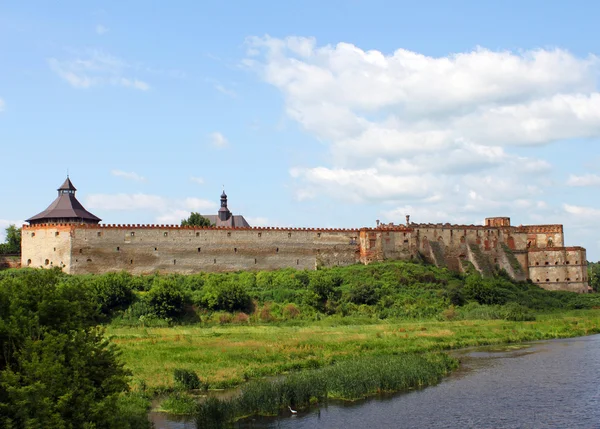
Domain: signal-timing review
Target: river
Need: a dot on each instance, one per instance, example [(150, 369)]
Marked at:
[(546, 384)]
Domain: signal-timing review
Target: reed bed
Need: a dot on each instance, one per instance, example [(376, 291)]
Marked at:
[(347, 380)]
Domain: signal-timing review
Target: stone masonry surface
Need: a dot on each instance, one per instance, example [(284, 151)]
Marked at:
[(526, 252)]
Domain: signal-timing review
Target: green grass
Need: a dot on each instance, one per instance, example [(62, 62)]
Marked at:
[(347, 380), (228, 355)]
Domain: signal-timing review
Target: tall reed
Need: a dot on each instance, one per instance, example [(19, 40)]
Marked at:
[(347, 380)]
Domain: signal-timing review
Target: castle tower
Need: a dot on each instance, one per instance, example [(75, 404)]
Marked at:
[(65, 209), (224, 213)]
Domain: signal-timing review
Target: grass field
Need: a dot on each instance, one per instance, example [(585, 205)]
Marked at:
[(229, 355)]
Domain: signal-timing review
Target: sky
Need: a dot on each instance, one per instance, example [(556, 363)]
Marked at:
[(308, 113)]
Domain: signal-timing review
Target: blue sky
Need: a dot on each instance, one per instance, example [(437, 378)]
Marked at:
[(330, 114)]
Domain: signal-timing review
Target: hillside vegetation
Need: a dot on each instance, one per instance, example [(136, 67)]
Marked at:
[(391, 290), (176, 333)]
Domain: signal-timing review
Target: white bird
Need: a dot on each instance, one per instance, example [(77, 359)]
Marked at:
[(293, 411)]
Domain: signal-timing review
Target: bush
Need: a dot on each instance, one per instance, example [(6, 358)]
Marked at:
[(187, 378), (113, 291), (167, 298), (364, 294), (323, 290), (241, 318), (517, 312), (290, 311), (226, 295)]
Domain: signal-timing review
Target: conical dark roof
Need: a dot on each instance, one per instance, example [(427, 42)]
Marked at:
[(65, 209), (67, 185)]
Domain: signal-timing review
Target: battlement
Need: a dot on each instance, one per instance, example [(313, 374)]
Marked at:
[(191, 228), (558, 249)]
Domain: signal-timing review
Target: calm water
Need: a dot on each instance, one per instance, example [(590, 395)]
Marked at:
[(550, 384)]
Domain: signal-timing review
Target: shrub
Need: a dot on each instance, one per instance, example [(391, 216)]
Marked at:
[(113, 291), (290, 311), (186, 378), (364, 294), (265, 313), (241, 318), (224, 318), (323, 290), (517, 312), (226, 295), (166, 298)]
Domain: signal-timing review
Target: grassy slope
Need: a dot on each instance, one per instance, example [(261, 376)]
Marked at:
[(227, 355)]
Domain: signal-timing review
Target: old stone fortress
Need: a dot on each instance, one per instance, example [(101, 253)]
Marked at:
[(68, 236)]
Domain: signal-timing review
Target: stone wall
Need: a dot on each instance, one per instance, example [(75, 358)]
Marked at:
[(563, 268), (46, 246), (10, 261), (147, 249), (533, 252)]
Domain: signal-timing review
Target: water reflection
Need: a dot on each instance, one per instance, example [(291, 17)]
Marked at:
[(548, 384)]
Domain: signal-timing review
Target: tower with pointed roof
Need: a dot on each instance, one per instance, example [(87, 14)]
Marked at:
[(65, 209), (224, 217)]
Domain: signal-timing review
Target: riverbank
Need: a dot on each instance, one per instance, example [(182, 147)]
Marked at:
[(226, 356)]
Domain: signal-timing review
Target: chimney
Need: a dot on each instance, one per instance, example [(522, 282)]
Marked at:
[(407, 220), (377, 221)]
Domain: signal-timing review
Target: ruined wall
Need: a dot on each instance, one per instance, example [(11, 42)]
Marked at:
[(396, 243), (184, 250), (10, 261), (563, 268), (46, 246), (542, 236)]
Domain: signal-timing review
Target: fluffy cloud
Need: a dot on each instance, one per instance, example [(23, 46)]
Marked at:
[(218, 140), (197, 180), (585, 180), (96, 68), (165, 210), (440, 131), (128, 175)]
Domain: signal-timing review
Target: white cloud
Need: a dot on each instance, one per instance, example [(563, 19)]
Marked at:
[(128, 175), (224, 90), (197, 180), (581, 211), (218, 140), (96, 68), (170, 210), (440, 131), (258, 221), (101, 29), (585, 180)]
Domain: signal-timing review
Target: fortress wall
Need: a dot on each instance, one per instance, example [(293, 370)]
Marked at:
[(10, 261), (142, 250), (563, 268), (542, 236), (378, 244), (46, 246)]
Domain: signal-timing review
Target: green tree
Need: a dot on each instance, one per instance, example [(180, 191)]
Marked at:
[(13, 240), (57, 369), (594, 275), (227, 294), (195, 219), (167, 298)]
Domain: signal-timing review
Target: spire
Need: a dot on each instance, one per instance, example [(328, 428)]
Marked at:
[(224, 212), (65, 209), (67, 187)]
